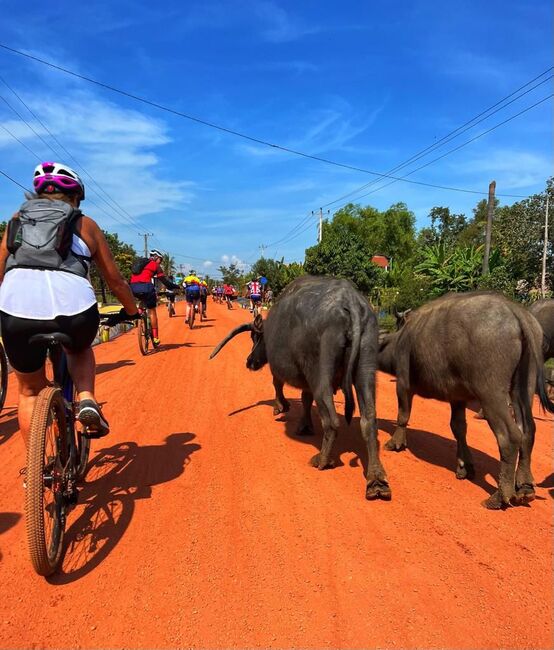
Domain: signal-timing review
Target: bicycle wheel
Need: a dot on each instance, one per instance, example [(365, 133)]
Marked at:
[(47, 456), (143, 334), (3, 376)]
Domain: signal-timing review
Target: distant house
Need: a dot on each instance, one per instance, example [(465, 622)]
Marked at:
[(382, 261)]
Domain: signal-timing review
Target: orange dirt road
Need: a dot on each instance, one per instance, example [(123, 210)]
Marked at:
[(202, 525)]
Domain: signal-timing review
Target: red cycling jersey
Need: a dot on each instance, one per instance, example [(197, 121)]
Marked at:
[(151, 270)]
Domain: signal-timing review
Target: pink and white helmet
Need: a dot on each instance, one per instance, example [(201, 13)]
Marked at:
[(55, 177)]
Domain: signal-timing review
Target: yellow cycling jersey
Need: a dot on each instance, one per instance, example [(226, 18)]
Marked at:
[(191, 280)]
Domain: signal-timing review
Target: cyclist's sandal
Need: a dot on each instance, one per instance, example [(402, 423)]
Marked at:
[(90, 415)]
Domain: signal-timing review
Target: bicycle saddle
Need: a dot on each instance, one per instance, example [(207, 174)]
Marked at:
[(51, 339)]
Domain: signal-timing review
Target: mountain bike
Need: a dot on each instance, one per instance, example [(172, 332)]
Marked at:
[(3, 376), (170, 309), (57, 459), (192, 314), (144, 330)]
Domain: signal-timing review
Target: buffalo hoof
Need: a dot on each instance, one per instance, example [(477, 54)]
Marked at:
[(281, 408), (524, 495), (305, 430), (465, 471), (495, 502), (395, 445), (378, 489), (319, 463)]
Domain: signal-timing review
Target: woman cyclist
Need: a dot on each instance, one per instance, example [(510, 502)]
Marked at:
[(45, 288), (192, 292)]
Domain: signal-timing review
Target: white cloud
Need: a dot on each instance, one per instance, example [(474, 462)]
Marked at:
[(115, 145), (207, 264)]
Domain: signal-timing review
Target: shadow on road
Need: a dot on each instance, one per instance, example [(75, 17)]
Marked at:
[(7, 521), (425, 445), (8, 424), (117, 477), (264, 402), (106, 367)]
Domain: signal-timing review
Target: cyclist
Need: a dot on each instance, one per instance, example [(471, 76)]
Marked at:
[(219, 294), (228, 291), (45, 288), (143, 288), (170, 293), (192, 292), (255, 293), (204, 297)]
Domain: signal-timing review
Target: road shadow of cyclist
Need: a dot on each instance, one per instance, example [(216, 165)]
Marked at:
[(117, 477)]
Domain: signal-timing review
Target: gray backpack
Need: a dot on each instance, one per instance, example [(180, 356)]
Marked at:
[(40, 237)]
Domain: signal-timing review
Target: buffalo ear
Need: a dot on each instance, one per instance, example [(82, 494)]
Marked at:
[(258, 324)]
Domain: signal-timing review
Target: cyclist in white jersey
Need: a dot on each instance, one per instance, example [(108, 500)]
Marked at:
[(45, 289)]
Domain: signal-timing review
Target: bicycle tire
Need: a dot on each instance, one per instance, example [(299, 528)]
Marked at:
[(143, 335), (45, 554), (191, 318), (3, 376)]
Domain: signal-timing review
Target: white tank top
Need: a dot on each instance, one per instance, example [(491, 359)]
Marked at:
[(42, 294)]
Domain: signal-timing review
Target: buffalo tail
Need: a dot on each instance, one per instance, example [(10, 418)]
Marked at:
[(352, 355)]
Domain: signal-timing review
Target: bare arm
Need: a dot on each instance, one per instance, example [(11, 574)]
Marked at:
[(4, 252), (102, 255)]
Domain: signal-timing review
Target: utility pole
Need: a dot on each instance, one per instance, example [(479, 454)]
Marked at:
[(544, 250), (262, 248), (146, 235), (488, 232), (320, 225)]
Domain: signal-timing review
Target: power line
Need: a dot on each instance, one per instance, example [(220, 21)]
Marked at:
[(469, 124), (244, 136), (14, 181), (121, 210)]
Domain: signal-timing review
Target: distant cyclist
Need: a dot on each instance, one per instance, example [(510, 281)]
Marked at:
[(228, 292), (143, 288), (44, 263), (219, 293), (204, 297), (192, 292), (255, 293)]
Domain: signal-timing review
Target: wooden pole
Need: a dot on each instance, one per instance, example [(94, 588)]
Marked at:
[(488, 232), (544, 251)]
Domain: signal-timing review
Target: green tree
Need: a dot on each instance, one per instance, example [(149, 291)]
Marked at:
[(231, 275), (123, 254), (277, 272), (168, 264), (343, 254), (445, 228)]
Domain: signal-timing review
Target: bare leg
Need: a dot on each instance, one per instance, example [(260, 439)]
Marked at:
[(153, 313), (458, 424), (30, 385), (82, 368)]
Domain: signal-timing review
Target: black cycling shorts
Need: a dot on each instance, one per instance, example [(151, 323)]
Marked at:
[(25, 357), (145, 292)]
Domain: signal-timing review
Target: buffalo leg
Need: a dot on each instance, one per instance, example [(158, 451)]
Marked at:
[(398, 439), (525, 490), (458, 424), (377, 485), (509, 438), (330, 424), (281, 404), (305, 428)]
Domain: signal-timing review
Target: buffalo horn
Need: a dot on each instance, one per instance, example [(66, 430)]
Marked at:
[(245, 327)]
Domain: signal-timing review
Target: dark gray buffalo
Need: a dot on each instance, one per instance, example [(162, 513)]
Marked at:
[(543, 311), (470, 346), (320, 336)]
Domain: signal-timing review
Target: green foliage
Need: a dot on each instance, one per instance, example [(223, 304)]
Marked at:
[(123, 254), (232, 275), (3, 226), (387, 322), (454, 269), (168, 264), (277, 272), (343, 254), (445, 229)]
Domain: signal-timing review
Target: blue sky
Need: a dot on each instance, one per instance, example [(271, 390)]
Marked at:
[(367, 84)]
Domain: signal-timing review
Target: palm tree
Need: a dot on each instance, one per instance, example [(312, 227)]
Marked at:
[(168, 264)]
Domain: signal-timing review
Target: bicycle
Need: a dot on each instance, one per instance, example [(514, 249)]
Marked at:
[(170, 305), (144, 330), (192, 314), (57, 459), (3, 376)]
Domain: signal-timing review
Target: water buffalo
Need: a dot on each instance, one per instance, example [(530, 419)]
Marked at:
[(473, 346), (543, 311), (321, 335)]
